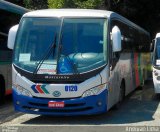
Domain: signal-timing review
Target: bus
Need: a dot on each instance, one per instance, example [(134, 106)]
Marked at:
[(75, 61), (155, 48), (10, 15)]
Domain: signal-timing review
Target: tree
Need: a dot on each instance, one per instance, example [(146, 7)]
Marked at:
[(110, 4), (60, 3), (145, 13), (17, 2), (92, 4), (36, 4)]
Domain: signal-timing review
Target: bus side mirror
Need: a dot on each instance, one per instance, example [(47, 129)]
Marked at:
[(116, 39), (12, 36), (152, 45)]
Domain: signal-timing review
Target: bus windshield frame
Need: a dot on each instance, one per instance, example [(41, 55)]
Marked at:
[(66, 60), (156, 54)]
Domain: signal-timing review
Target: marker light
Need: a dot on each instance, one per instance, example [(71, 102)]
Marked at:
[(22, 91), (94, 91), (155, 73)]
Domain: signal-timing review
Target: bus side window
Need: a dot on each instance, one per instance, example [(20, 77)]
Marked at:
[(158, 51)]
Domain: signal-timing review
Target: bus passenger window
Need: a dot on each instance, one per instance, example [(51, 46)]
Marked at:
[(158, 51)]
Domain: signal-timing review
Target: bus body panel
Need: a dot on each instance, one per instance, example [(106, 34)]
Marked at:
[(10, 15), (156, 64), (75, 106), (127, 68), (51, 88), (156, 82), (5, 71)]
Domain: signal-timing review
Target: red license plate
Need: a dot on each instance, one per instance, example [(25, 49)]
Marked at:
[(53, 104)]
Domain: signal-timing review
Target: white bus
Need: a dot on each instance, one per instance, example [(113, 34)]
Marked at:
[(10, 15), (156, 63), (75, 61)]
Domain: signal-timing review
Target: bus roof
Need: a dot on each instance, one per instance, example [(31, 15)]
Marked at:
[(69, 13), (4, 5), (81, 13)]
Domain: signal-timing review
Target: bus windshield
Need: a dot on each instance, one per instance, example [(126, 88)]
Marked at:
[(158, 48), (80, 45), (157, 52)]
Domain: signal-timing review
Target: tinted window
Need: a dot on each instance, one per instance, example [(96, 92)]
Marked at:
[(132, 39), (7, 20)]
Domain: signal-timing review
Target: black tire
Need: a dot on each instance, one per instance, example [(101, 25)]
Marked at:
[(156, 96), (143, 80), (2, 90), (121, 95)]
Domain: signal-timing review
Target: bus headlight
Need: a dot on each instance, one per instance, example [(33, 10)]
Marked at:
[(22, 91), (94, 91)]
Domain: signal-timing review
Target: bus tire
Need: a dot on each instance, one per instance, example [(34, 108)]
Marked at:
[(121, 95), (2, 90), (156, 96), (140, 87)]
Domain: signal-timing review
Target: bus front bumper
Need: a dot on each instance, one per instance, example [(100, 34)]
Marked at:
[(157, 88), (156, 85), (75, 106)]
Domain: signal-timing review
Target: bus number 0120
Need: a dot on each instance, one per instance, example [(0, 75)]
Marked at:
[(71, 88)]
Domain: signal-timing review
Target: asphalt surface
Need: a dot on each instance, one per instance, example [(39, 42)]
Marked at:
[(140, 108), (7, 112)]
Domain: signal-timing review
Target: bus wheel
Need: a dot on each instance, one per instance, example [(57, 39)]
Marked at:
[(121, 95), (140, 87), (2, 90)]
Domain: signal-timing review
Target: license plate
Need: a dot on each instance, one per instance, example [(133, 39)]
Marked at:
[(53, 104)]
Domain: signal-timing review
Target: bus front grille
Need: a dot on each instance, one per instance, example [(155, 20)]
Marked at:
[(57, 110)]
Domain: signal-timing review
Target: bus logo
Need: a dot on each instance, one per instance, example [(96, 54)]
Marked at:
[(56, 94), (40, 89)]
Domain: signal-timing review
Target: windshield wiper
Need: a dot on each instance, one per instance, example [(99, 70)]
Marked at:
[(50, 50)]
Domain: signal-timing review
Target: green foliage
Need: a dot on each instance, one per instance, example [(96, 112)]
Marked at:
[(35, 4), (55, 3), (28, 4), (58, 3), (91, 4)]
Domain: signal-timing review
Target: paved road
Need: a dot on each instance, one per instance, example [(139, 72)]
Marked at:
[(7, 112), (141, 108)]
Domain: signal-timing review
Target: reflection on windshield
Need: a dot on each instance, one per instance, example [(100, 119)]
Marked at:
[(35, 36), (82, 45), (51, 50), (157, 52), (158, 47)]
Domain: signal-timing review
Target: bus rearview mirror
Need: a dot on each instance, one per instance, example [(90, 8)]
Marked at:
[(116, 39), (12, 36)]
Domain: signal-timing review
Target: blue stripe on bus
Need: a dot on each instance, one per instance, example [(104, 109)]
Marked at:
[(34, 88)]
